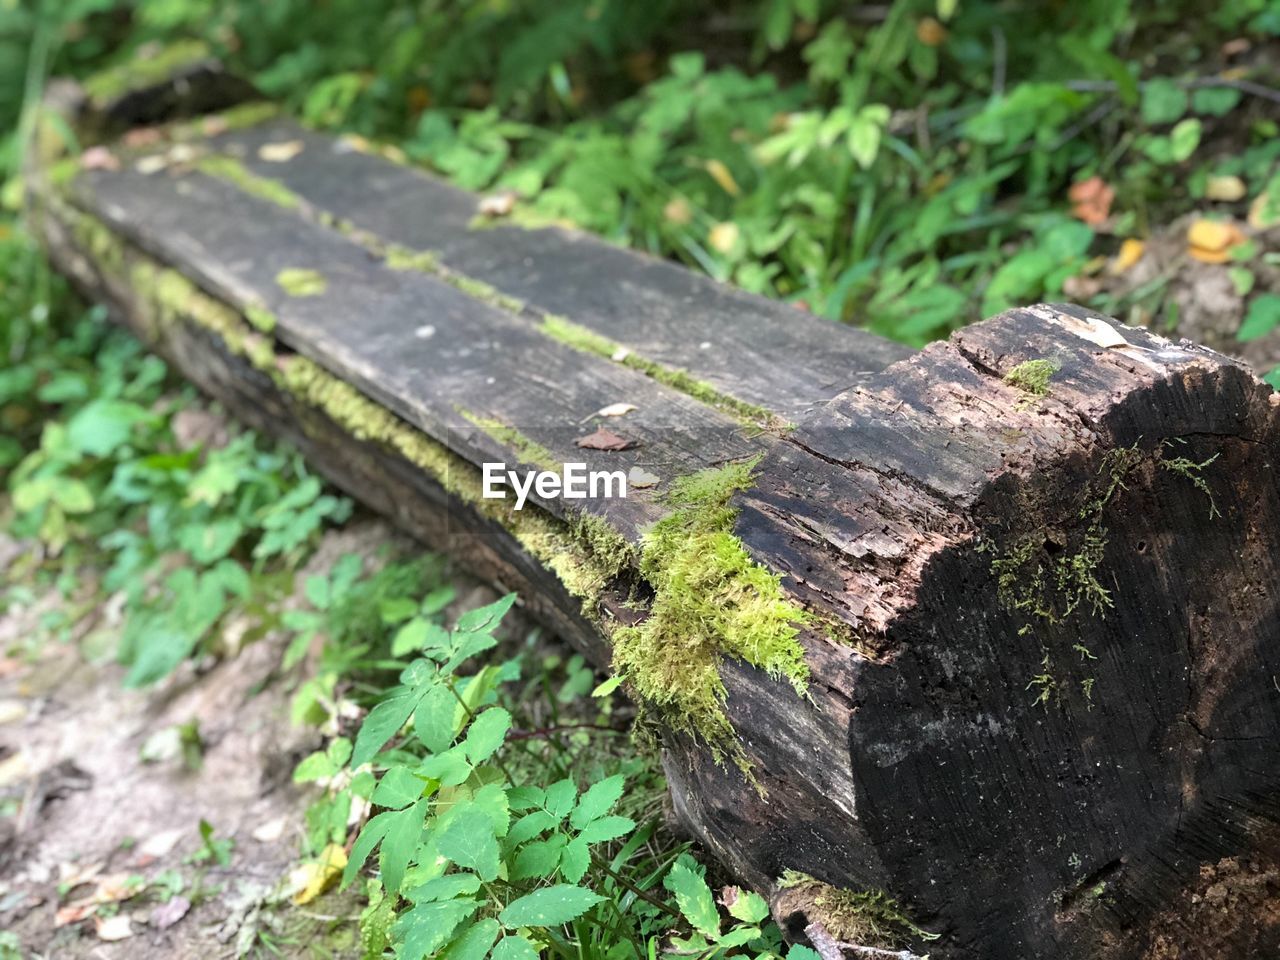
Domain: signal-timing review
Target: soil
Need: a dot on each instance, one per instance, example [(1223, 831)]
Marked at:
[(84, 817)]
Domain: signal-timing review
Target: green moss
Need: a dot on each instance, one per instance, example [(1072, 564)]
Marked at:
[(301, 282), (264, 188), (141, 72), (239, 117), (1053, 585), (163, 297), (527, 450), (261, 318), (869, 918), (1033, 376), (710, 600), (402, 258), (588, 341), (1186, 467)]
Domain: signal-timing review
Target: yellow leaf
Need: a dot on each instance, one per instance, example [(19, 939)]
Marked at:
[(1226, 189), (1210, 241), (309, 880), (1130, 253), (723, 237), (721, 175)]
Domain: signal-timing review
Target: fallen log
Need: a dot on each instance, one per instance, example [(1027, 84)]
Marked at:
[(979, 643)]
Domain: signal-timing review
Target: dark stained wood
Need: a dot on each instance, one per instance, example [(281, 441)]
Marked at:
[(757, 350), (368, 324), (925, 761)]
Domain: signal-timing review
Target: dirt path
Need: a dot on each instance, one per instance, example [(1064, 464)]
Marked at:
[(84, 818)]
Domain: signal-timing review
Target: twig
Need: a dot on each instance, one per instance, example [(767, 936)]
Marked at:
[(1196, 83), (545, 733), (999, 56)]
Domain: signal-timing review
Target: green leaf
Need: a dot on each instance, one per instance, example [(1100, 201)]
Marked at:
[(397, 789), (429, 926), (412, 636), (445, 888), (539, 858), (474, 942), (1262, 317), (1183, 139), (73, 496), (102, 426), (575, 859), (549, 906), (469, 842), (404, 830), (513, 947), (383, 722), (433, 718), (1273, 378), (486, 734), (608, 686), (450, 768), (749, 907), (607, 828), (368, 839), (485, 618), (1163, 101), (317, 592), (1215, 101), (800, 952), (598, 800), (560, 797), (693, 896), (530, 825)]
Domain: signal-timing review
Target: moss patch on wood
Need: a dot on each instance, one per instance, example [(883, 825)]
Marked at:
[(588, 341), (868, 918), (236, 173), (585, 554), (301, 282), (529, 451), (711, 600), (141, 72)]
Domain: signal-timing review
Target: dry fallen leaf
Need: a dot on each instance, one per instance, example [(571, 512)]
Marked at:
[(678, 211), (74, 913), (280, 152), (1226, 189), (641, 478), (604, 439), (167, 914), (1130, 252), (1210, 241), (11, 711), (152, 164), (309, 880), (160, 844), (142, 137), (13, 769), (99, 158), (930, 32), (612, 410), (119, 927), (498, 204), (270, 831), (1091, 200)]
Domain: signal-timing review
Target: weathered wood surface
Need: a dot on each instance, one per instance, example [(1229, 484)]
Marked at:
[(936, 518)]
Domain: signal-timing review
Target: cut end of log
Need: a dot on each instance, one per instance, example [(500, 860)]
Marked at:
[(1066, 640)]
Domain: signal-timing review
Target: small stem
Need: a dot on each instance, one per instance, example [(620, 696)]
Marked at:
[(642, 894)]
